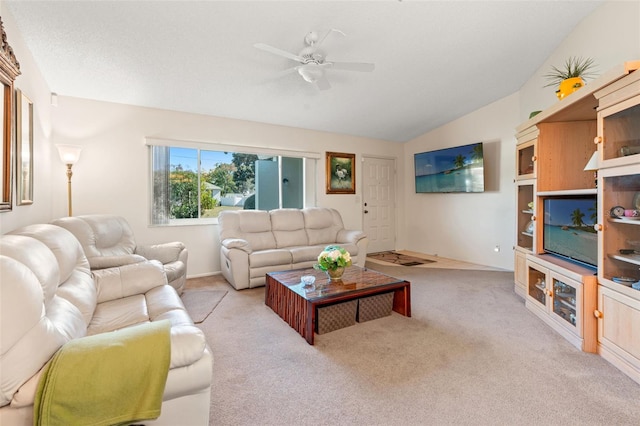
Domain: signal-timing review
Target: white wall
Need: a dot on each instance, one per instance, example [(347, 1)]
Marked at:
[(112, 175), (610, 35), (468, 226)]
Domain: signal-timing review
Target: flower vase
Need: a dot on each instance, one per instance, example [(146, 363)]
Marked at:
[(568, 86), (335, 274)]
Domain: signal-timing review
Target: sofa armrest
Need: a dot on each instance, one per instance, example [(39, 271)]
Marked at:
[(124, 281), (104, 262), (165, 252), (237, 243), (349, 236)]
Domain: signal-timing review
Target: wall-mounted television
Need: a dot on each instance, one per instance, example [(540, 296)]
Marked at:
[(458, 169), (568, 228)]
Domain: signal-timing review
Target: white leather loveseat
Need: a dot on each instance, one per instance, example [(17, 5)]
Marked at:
[(49, 297), (255, 242), (108, 240)]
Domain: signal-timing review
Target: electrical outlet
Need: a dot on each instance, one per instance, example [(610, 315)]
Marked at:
[(497, 248)]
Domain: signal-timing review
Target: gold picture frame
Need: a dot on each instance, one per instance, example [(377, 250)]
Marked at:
[(341, 173), (9, 70), (24, 149)]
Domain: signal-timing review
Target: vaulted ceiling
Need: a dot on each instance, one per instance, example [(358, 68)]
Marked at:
[(434, 60)]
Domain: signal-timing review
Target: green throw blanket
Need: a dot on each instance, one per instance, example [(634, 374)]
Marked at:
[(108, 379)]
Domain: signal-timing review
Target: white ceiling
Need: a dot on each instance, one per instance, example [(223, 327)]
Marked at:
[(435, 60)]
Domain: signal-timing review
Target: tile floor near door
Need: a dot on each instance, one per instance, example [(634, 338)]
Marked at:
[(438, 262)]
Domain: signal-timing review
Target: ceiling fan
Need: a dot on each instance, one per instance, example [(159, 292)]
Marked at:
[(313, 61)]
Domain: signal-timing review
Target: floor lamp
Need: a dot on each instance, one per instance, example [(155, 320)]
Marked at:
[(69, 154)]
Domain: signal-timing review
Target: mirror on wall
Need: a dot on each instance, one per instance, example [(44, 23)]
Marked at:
[(9, 70), (24, 149)]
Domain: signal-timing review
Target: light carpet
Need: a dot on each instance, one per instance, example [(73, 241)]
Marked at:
[(471, 354), (200, 302)]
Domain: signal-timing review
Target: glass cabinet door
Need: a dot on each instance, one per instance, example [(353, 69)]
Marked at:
[(526, 160), (620, 236), (565, 300), (537, 284), (525, 215), (619, 133)]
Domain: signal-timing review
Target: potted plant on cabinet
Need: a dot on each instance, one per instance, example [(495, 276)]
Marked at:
[(570, 77)]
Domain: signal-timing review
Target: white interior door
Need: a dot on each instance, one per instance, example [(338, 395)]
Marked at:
[(379, 221)]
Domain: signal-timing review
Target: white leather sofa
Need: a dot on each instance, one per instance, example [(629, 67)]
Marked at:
[(108, 241), (255, 242), (49, 296)]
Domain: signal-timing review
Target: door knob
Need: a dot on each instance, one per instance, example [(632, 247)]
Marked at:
[(366, 211)]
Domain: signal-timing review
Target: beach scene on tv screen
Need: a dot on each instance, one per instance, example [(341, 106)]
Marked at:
[(458, 169), (568, 229)]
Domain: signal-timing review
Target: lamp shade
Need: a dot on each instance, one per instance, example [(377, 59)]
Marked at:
[(593, 163), (69, 154)]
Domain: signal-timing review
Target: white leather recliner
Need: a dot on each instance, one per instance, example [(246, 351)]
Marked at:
[(108, 241), (49, 296)]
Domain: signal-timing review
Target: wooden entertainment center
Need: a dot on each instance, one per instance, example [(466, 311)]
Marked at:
[(593, 308)]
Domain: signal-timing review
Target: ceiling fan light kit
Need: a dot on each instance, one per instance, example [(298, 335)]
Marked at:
[(313, 60)]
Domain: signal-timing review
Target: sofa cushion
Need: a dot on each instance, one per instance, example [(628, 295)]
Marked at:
[(321, 225), (306, 253), (254, 226), (288, 228), (269, 257), (30, 338), (119, 313), (101, 235)]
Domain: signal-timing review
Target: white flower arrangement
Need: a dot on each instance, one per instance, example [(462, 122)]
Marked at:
[(333, 257)]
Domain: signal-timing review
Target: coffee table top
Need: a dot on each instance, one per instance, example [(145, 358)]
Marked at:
[(354, 280)]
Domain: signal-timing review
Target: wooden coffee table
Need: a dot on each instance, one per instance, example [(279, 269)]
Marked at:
[(297, 305)]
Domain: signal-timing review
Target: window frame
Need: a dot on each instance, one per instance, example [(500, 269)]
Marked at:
[(311, 158)]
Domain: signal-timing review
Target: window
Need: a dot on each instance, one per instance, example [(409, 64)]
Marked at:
[(193, 183)]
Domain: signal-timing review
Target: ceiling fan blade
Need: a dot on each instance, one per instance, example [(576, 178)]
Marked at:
[(352, 66), (277, 51), (323, 83), (323, 37)]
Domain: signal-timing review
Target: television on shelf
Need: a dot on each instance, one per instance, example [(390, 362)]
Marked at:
[(457, 169), (568, 228)]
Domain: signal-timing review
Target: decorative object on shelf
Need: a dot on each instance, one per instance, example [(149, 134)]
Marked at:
[(69, 154), (571, 76), (534, 113), (636, 201), (341, 173), (616, 212), (629, 150), (529, 228), (333, 260), (530, 205), (624, 280)]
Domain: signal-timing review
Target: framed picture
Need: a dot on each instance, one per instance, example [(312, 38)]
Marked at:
[(24, 149), (341, 173), (9, 70)]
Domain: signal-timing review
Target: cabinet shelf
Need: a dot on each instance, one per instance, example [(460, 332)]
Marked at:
[(567, 304), (628, 258), (528, 234), (528, 212), (625, 221)]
